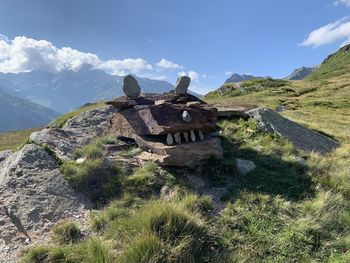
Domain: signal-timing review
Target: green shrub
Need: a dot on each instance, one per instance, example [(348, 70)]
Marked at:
[(95, 149), (201, 204), (185, 233), (66, 233), (144, 182), (115, 210), (44, 254), (146, 248), (97, 178), (91, 250)]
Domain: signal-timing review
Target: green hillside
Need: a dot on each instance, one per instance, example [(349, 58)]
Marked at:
[(294, 207), (334, 65)]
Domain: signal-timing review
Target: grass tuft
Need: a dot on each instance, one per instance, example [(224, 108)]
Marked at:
[(66, 233)]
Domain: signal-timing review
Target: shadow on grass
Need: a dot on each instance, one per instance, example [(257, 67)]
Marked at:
[(272, 175)]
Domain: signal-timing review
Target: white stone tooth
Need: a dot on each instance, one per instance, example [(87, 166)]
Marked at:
[(201, 135), (186, 137), (193, 136), (169, 139), (177, 138)]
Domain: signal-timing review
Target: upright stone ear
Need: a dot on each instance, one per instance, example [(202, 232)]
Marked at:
[(181, 86), (131, 88)]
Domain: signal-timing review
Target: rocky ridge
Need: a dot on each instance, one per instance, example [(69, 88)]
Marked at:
[(33, 192)]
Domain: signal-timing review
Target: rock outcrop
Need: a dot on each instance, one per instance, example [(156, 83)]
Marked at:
[(33, 196), (303, 138), (77, 132)]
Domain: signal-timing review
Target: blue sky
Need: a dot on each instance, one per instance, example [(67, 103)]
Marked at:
[(163, 39)]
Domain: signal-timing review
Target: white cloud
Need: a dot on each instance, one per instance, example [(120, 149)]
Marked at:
[(337, 31), (24, 54), (228, 73), (182, 73), (167, 64), (342, 2), (123, 67), (193, 75)]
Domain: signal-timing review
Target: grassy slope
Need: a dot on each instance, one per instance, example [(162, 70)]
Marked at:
[(288, 210), (319, 104)]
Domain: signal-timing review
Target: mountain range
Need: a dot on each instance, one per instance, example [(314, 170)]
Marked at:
[(17, 113), (297, 74), (301, 73), (235, 78), (69, 89)]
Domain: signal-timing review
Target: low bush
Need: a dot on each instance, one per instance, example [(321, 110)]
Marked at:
[(97, 178), (66, 233), (146, 248), (44, 254), (144, 182)]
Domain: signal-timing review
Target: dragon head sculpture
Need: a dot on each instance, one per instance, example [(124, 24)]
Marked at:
[(173, 129)]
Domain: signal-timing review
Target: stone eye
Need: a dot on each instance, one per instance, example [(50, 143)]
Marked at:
[(186, 117)]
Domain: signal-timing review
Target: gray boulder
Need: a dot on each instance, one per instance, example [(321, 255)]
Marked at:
[(131, 88), (4, 155), (303, 138), (245, 166), (182, 84), (34, 195), (77, 132)]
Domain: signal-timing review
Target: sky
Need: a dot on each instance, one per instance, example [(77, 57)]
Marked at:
[(163, 39)]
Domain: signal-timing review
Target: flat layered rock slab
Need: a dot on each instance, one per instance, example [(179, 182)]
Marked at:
[(234, 111), (162, 119), (186, 154), (303, 138)]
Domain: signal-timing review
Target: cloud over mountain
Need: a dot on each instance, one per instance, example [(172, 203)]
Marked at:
[(330, 33), (23, 54)]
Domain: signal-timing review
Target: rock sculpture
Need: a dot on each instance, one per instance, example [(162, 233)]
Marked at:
[(175, 132), (182, 84), (131, 88)]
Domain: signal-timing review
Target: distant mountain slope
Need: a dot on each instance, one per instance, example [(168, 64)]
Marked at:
[(235, 78), (67, 90), (17, 113), (300, 73), (334, 65)]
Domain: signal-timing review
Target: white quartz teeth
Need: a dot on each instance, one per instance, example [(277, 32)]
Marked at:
[(169, 139), (193, 136), (186, 137), (177, 138), (201, 135)]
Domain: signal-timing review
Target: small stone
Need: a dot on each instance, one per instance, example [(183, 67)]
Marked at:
[(131, 88), (80, 160), (186, 117), (193, 136), (181, 86), (186, 137), (159, 102), (201, 135), (177, 138), (245, 166), (169, 139)]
